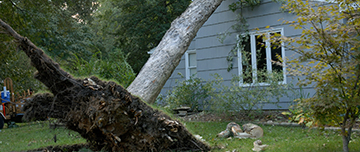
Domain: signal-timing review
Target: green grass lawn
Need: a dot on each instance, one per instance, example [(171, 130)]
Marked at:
[(280, 139), (35, 135)]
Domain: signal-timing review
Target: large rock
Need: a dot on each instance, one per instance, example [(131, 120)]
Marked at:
[(249, 131)]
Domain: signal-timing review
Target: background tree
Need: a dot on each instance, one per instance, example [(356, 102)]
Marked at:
[(139, 25), (167, 55), (105, 113), (329, 48), (51, 22), (65, 31), (19, 14), (113, 67)]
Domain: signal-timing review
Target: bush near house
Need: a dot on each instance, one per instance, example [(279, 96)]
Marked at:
[(215, 96)]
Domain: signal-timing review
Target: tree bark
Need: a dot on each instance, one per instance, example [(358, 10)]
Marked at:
[(167, 55), (346, 137), (347, 123), (104, 113)]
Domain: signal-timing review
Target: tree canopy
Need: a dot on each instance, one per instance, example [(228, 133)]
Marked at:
[(139, 25), (329, 55), (65, 30), (120, 33), (105, 113)]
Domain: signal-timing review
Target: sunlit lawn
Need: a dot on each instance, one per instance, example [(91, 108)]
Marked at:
[(280, 139), (35, 135)]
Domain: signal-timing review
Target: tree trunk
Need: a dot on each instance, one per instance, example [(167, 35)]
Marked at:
[(346, 138), (104, 113), (348, 122), (167, 55)]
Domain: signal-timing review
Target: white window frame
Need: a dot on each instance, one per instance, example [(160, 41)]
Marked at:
[(268, 57), (187, 65)]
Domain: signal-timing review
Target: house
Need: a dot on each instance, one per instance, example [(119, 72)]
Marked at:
[(206, 55)]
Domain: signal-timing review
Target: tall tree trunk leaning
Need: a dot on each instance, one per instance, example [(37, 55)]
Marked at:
[(167, 55), (106, 114)]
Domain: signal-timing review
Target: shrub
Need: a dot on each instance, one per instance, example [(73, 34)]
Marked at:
[(194, 93), (215, 96), (250, 97), (115, 67)]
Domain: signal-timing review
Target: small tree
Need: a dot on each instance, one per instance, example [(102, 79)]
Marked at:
[(329, 60)]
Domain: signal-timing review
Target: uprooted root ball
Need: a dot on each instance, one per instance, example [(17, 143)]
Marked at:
[(111, 118)]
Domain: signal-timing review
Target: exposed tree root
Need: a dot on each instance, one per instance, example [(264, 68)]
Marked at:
[(104, 113)]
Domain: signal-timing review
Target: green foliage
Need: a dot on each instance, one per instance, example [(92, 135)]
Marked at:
[(115, 68), (329, 58), (240, 27), (215, 96), (139, 25), (298, 113), (15, 65), (248, 97), (243, 3), (49, 25), (300, 117), (193, 93), (60, 42), (69, 33)]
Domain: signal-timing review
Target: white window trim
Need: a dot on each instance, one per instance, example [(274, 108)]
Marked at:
[(187, 66), (268, 56)]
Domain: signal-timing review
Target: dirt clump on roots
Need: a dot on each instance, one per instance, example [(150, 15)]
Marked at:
[(111, 118), (102, 112)]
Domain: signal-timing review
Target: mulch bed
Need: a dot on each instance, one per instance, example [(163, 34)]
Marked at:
[(262, 116)]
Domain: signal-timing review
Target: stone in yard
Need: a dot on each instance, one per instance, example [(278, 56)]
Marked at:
[(258, 146), (234, 130)]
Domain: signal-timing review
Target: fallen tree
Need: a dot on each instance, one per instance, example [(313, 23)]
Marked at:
[(167, 55), (105, 113)]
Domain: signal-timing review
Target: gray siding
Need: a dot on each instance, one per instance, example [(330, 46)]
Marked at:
[(211, 54)]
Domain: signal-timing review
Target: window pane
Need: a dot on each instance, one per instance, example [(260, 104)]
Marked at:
[(246, 60), (275, 54), (192, 72), (260, 58), (192, 59)]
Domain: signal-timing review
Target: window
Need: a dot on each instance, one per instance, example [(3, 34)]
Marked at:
[(259, 57), (190, 63)]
